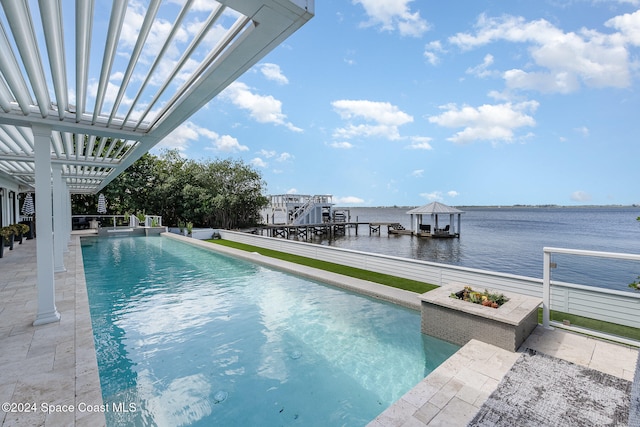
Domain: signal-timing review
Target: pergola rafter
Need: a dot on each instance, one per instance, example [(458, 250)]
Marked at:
[(124, 94)]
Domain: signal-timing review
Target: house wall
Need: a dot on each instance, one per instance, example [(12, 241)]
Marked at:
[(7, 187)]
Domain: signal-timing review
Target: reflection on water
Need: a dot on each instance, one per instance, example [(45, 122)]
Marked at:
[(437, 250)]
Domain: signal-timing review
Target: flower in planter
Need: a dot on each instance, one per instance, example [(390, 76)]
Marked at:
[(485, 298)]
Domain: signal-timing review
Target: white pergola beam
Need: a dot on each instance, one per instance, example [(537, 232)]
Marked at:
[(140, 115), (118, 12), (21, 25), (53, 30)]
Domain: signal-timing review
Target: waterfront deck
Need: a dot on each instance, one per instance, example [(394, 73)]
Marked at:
[(308, 231), (56, 363)]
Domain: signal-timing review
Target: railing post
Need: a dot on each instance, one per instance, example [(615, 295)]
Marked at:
[(546, 289)]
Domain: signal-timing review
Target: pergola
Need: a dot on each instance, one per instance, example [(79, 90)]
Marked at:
[(86, 90)]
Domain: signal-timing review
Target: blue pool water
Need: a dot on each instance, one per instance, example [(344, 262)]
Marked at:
[(185, 336)]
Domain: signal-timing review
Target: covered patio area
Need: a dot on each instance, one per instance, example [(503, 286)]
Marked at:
[(84, 94)]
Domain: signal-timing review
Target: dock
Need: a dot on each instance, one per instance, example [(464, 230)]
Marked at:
[(308, 231), (304, 216)]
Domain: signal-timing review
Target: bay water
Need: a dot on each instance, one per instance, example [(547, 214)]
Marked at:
[(511, 240)]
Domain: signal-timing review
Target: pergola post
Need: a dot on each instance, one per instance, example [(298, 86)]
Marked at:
[(59, 230), (66, 205), (47, 312)]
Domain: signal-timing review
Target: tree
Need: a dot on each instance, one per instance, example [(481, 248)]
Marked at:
[(220, 193)]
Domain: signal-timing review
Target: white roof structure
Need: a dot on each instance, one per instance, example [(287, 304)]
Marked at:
[(89, 86), (137, 73), (434, 208)]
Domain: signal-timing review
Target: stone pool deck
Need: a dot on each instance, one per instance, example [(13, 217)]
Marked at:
[(453, 393), (50, 372), (56, 364)]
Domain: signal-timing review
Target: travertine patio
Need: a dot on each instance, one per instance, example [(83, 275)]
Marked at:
[(49, 373)]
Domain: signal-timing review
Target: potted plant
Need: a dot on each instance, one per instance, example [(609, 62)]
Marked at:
[(141, 218), (19, 230), (181, 227), (189, 228), (1, 242), (7, 236)]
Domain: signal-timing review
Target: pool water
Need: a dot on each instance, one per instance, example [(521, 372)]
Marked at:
[(185, 336)]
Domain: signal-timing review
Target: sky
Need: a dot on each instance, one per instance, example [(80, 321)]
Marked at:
[(474, 102)]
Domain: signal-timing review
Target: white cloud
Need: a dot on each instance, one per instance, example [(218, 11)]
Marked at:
[(487, 122), (434, 195), (292, 191), (628, 25), (580, 196), (189, 132), (263, 109), (420, 143), (564, 61), (258, 162), (267, 154), (386, 119), (393, 15), (272, 72), (227, 144), (418, 173), (482, 70), (283, 157), (452, 193), (348, 199), (583, 130), (431, 51), (344, 145)]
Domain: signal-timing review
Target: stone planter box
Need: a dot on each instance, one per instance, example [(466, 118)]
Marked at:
[(459, 321)]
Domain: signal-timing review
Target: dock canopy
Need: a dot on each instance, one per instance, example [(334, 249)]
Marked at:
[(433, 227)]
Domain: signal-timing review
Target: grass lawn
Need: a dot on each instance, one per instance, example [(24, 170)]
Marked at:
[(596, 325), (384, 279), (422, 287)]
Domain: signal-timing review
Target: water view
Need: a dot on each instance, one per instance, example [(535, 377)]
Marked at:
[(511, 239)]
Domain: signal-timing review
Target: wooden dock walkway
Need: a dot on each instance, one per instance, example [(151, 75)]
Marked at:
[(307, 231)]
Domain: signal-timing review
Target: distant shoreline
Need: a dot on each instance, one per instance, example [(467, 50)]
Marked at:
[(501, 206)]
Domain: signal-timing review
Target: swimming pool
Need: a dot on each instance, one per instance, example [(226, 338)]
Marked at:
[(185, 336)]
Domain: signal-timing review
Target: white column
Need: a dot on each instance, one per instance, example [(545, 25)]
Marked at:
[(47, 312), (59, 229), (67, 216)]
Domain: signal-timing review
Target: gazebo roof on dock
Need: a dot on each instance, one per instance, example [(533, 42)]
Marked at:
[(435, 208)]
